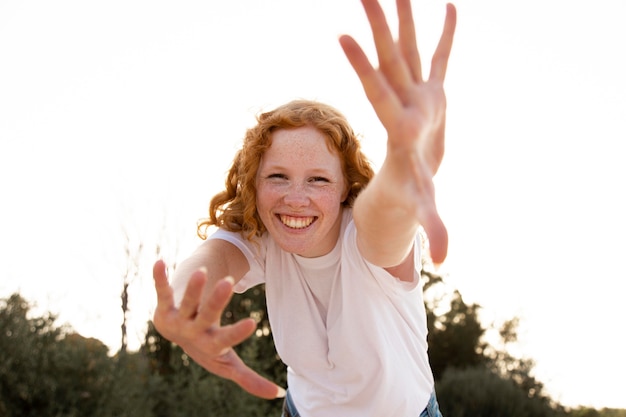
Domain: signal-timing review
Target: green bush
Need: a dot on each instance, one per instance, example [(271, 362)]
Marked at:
[(478, 392), (46, 370)]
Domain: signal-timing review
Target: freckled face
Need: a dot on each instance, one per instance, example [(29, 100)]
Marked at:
[(300, 188)]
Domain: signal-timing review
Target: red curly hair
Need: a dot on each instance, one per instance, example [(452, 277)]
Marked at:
[(234, 209)]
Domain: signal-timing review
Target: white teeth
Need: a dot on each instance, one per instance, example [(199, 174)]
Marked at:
[(296, 222)]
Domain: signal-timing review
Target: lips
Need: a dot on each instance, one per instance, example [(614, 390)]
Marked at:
[(296, 222)]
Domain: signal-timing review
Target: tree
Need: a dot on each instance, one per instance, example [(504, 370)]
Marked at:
[(454, 331), (479, 392), (456, 343), (133, 256), (590, 412), (518, 370), (131, 391), (47, 370)]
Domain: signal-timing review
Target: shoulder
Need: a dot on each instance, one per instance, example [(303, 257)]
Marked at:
[(254, 246)]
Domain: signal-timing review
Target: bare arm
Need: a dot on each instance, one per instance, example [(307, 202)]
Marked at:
[(218, 258), (401, 197), (206, 281)]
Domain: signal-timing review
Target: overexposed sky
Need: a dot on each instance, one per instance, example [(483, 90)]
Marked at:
[(124, 115)]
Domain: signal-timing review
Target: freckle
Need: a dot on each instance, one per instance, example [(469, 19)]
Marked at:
[(297, 151)]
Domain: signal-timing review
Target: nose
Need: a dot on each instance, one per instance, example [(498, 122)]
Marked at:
[(296, 196)]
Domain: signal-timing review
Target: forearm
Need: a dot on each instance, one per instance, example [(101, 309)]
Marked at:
[(218, 258), (386, 213)]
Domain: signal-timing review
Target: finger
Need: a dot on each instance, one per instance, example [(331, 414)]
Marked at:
[(408, 40), (255, 384), (165, 295), (165, 298), (439, 64), (234, 334), (191, 299), (259, 386), (230, 366), (437, 236), (385, 103), (211, 309), (389, 59), (429, 218)]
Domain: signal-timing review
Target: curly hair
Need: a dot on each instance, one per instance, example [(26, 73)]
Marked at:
[(234, 208)]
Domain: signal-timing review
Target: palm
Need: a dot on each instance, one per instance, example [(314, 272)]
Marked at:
[(411, 109)]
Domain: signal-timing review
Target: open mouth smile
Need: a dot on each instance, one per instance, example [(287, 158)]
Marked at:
[(296, 222)]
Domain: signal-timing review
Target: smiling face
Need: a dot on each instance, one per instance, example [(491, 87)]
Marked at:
[(300, 188)]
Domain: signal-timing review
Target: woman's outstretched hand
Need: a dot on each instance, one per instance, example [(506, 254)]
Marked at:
[(195, 327), (412, 109)]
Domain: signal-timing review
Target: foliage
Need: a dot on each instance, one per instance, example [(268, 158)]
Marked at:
[(590, 412), (479, 392), (48, 370), (455, 337), (456, 346)]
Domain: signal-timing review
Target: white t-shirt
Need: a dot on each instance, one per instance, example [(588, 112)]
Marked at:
[(353, 336)]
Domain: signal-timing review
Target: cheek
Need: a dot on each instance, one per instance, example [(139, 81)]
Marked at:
[(266, 197), (330, 201)]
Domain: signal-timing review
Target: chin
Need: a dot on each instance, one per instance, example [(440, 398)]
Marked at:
[(297, 249)]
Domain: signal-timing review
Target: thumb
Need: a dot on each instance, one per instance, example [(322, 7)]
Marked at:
[(248, 379), (259, 386), (437, 236)]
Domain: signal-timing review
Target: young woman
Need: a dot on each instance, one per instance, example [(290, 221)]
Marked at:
[(337, 247)]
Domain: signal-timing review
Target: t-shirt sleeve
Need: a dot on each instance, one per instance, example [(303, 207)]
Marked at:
[(254, 253), (385, 279)]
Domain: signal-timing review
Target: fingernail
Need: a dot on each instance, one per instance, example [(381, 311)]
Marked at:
[(203, 270), (281, 393), (230, 279)]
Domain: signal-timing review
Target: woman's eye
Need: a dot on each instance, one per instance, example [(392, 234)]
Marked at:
[(276, 176), (319, 179)]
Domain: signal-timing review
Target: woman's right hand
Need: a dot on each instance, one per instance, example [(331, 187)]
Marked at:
[(195, 327)]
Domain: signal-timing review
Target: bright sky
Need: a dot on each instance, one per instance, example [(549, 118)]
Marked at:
[(125, 115)]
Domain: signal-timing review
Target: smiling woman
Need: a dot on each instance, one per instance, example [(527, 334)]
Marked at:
[(335, 245), (103, 107)]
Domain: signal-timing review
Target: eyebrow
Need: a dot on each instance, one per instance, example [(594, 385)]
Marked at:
[(278, 167)]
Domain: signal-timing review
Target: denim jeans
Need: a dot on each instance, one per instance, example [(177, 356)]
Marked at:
[(289, 408), (431, 410)]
